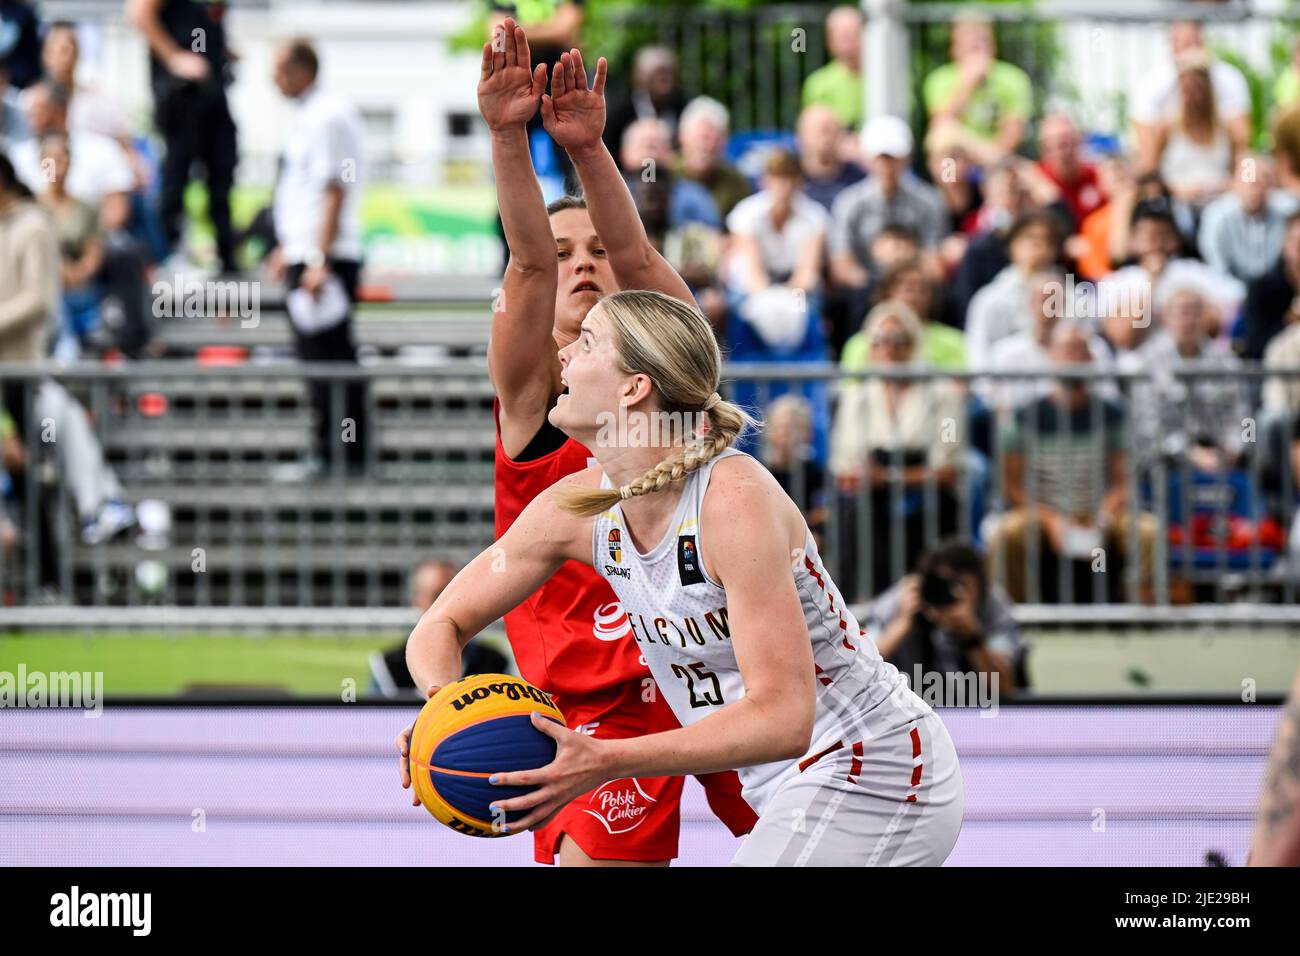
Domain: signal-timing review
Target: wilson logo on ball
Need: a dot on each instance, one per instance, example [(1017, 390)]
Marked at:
[(515, 690)]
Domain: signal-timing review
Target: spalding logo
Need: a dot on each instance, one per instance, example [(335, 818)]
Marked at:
[(620, 805), (610, 622), (511, 691)]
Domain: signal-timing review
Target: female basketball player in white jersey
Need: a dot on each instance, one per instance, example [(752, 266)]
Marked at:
[(747, 637)]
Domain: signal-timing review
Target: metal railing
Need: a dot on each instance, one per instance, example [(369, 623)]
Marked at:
[(1229, 529), (198, 451)]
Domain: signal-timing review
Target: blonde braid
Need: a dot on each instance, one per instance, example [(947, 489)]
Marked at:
[(727, 421)]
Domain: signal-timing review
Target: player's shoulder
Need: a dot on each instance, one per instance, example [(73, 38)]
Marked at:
[(742, 491), (589, 477)]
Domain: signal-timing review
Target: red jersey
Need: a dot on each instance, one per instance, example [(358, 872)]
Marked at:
[(571, 637), (1083, 197)]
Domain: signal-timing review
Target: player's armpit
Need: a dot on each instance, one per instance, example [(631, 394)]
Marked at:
[(523, 359)]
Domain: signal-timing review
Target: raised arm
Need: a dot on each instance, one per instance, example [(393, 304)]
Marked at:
[(524, 312), (574, 115), (773, 721)]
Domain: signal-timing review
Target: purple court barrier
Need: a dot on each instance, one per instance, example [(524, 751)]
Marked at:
[(1165, 785)]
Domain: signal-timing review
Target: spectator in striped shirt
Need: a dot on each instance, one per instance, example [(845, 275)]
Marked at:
[(1064, 477)]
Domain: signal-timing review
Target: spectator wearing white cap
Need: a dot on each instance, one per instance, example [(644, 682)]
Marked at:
[(890, 196)]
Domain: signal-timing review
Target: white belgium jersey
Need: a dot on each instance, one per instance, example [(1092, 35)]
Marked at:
[(678, 616)]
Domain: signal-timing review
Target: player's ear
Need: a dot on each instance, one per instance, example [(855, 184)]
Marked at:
[(637, 389)]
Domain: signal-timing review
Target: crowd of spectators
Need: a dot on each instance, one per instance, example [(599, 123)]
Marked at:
[(1001, 238), (995, 236), (92, 218)]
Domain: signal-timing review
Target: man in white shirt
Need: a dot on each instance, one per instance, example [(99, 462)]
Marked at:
[(318, 230)]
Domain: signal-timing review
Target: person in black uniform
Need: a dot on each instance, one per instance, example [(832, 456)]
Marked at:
[(189, 68)]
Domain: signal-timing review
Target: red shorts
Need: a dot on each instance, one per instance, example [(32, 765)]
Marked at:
[(634, 819)]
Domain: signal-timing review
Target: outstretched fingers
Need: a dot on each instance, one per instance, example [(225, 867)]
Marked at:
[(602, 69), (511, 48), (524, 55), (559, 78), (572, 69), (579, 71)]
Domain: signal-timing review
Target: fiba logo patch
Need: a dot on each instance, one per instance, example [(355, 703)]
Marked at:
[(688, 561), (616, 545), (610, 623), (620, 805)]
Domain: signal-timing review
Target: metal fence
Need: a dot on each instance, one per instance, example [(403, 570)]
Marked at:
[(197, 449)]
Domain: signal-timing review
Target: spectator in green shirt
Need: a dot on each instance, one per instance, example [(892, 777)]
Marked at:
[(977, 101), (838, 84), (942, 346), (1286, 89)]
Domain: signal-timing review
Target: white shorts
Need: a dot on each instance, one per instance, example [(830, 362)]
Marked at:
[(896, 800)]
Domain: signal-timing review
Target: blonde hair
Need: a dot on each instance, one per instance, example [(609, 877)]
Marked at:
[(894, 310), (674, 345)]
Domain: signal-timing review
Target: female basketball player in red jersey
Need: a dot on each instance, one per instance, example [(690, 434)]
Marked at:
[(571, 637), (748, 637)]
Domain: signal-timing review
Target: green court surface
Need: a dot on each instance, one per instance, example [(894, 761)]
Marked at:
[(1169, 661), (168, 665)]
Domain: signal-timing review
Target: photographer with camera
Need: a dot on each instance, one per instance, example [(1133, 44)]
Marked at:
[(947, 618)]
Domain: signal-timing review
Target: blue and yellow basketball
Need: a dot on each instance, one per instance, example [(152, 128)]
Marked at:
[(468, 731)]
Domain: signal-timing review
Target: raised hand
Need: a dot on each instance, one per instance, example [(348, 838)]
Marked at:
[(573, 114), (508, 86)]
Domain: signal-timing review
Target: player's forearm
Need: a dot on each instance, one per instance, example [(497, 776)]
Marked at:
[(742, 734), (1277, 827), (433, 652), (519, 198), (613, 211)]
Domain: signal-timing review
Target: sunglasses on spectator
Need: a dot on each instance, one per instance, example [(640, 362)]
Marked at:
[(896, 339)]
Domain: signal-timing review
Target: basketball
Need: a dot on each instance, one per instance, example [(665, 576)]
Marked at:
[(468, 731)]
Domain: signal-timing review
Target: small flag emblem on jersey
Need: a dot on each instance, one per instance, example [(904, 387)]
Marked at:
[(616, 545), (688, 560)]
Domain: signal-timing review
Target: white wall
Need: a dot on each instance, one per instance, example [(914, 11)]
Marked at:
[(382, 56)]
